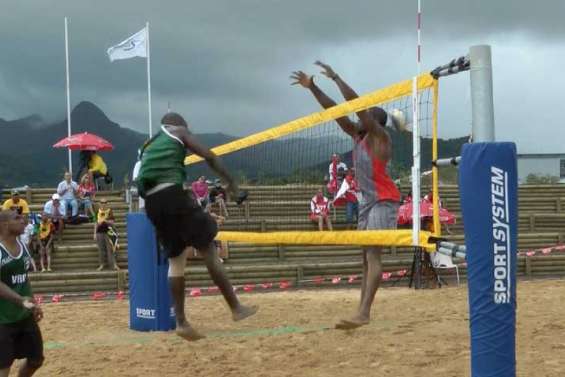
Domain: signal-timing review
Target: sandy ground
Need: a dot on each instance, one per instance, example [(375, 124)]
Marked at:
[(413, 333)]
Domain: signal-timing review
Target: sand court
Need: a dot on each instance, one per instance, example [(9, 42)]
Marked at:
[(413, 333)]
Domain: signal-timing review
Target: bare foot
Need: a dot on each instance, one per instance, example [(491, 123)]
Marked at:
[(187, 332), (100, 268), (244, 312), (353, 323)]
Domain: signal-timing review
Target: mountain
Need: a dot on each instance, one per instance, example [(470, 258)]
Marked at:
[(28, 158)]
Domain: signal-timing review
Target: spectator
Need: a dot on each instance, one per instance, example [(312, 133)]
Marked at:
[(56, 212), (336, 169), (102, 228), (67, 190), (348, 192), (222, 252), (97, 169), (218, 195), (15, 203), (320, 209), (200, 192), (445, 217), (86, 194), (96, 166), (27, 238), (46, 235), (84, 159)]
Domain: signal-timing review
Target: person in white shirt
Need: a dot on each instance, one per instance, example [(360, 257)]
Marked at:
[(336, 167), (26, 238), (320, 210), (68, 190), (56, 211)]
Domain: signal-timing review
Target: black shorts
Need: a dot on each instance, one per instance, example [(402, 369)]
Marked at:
[(20, 340), (179, 221)]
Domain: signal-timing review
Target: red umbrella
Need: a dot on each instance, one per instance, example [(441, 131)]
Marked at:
[(426, 210), (84, 142)]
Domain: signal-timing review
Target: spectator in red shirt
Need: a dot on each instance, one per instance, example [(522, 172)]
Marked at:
[(320, 210), (200, 191)]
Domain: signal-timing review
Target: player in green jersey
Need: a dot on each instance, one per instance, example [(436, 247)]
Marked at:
[(180, 222), (20, 337)]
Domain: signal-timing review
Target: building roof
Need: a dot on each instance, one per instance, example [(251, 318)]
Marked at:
[(541, 155)]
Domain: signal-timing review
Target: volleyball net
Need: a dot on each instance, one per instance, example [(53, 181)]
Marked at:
[(283, 168)]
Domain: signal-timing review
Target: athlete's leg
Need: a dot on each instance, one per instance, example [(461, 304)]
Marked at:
[(177, 286), (220, 278), (29, 368), (372, 280)]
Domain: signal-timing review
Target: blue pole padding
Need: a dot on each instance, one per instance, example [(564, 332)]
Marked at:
[(149, 294), (488, 187)]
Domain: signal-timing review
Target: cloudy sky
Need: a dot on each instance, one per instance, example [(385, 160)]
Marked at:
[(224, 64)]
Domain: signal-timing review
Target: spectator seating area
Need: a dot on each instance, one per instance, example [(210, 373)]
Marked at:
[(75, 258)]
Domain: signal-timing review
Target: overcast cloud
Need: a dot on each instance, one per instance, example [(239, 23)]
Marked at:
[(224, 64)]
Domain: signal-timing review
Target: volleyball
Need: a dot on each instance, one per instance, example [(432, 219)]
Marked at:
[(398, 120)]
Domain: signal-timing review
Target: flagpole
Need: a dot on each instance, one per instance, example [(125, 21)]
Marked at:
[(149, 80), (68, 91)]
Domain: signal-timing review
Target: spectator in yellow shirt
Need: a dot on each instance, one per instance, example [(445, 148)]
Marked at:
[(102, 228), (96, 166), (15, 203), (46, 235), (97, 169)]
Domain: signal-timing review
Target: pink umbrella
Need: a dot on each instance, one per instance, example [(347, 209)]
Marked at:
[(84, 142)]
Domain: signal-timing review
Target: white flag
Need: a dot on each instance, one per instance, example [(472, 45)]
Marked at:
[(136, 45)]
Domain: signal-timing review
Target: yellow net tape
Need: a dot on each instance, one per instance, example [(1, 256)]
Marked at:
[(402, 237), (366, 101)]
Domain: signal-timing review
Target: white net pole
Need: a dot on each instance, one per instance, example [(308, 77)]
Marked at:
[(68, 90), (415, 164), (416, 137)]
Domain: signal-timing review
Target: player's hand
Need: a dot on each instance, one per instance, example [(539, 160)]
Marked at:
[(37, 313), (302, 79), (326, 70)]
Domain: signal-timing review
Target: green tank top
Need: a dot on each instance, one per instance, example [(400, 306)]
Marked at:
[(13, 273), (162, 161)]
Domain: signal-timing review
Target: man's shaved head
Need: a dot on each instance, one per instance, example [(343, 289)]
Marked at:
[(379, 115), (11, 223), (6, 216), (173, 119)]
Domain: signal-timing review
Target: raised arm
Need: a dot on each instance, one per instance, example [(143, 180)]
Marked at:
[(368, 122), (306, 81), (211, 159)]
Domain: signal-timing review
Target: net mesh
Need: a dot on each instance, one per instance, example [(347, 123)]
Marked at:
[(283, 174)]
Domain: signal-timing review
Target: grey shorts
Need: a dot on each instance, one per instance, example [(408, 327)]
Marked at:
[(380, 215)]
